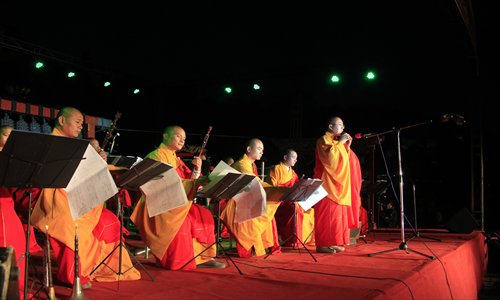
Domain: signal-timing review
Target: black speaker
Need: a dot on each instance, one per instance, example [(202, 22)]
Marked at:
[(9, 273), (462, 222)]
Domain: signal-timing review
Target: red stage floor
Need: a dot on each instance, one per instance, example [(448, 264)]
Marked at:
[(457, 272)]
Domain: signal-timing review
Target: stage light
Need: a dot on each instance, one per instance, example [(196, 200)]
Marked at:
[(39, 65), (228, 90), (71, 74), (136, 91), (256, 86), (335, 78), (107, 83), (370, 75)]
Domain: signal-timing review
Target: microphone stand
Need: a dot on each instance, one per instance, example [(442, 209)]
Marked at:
[(403, 245)]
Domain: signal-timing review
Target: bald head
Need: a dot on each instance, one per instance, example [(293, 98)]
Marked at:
[(69, 121), (174, 137), (255, 149)]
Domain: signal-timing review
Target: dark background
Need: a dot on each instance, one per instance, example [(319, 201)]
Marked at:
[(182, 56)]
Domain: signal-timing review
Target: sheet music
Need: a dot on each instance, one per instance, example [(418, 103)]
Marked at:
[(251, 202), (91, 184), (315, 197), (164, 193)]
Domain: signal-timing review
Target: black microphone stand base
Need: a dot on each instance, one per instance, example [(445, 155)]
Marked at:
[(402, 246), (418, 235)]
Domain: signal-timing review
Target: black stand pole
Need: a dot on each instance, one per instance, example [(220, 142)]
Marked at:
[(416, 233), (294, 235), (120, 247), (217, 243), (43, 286), (403, 245)]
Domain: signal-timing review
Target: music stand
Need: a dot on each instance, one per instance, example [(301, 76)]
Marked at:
[(403, 245), (143, 172), (36, 160), (226, 188), (299, 192)]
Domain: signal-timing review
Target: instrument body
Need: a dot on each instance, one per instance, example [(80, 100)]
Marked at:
[(196, 173)]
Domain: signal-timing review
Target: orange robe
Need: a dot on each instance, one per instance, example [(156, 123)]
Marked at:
[(176, 236), (281, 175), (261, 232), (331, 213), (52, 209)]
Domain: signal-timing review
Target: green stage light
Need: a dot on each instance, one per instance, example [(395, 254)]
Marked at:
[(107, 83), (370, 75), (71, 74), (228, 90), (335, 78), (136, 91), (39, 65), (256, 86)]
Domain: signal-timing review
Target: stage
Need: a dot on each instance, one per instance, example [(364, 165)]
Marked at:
[(457, 272)]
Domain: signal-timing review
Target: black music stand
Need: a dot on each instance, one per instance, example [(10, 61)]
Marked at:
[(36, 160), (226, 188), (143, 172), (299, 192)]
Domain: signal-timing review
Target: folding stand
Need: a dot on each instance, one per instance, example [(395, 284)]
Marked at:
[(144, 171), (120, 247), (294, 234), (299, 192), (35, 160), (226, 188)]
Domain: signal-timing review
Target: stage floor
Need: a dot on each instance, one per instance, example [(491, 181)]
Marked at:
[(456, 272)]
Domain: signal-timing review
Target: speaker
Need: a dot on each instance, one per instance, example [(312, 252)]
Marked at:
[(9, 273), (462, 222)]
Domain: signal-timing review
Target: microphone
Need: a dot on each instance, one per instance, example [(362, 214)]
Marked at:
[(363, 135)]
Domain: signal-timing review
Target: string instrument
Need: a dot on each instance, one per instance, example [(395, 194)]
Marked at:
[(109, 134), (48, 266), (196, 173)]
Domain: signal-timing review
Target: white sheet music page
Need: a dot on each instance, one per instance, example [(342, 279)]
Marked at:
[(251, 202), (91, 185), (315, 197), (217, 174), (164, 193)]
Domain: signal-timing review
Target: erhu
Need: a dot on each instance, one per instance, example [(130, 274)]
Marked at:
[(77, 293), (48, 266), (196, 173), (109, 133)]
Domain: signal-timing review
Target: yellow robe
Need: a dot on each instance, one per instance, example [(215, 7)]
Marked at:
[(336, 176), (279, 175), (52, 209), (257, 232), (159, 231)]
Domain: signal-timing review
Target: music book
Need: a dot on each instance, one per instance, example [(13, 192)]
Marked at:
[(163, 193), (91, 184), (245, 189), (141, 173), (227, 186), (306, 193)]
